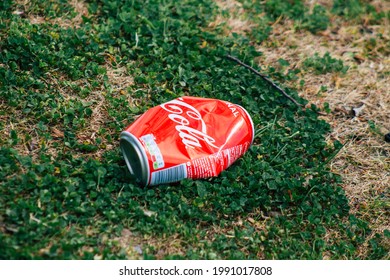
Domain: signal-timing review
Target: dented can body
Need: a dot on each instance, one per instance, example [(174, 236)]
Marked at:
[(188, 137)]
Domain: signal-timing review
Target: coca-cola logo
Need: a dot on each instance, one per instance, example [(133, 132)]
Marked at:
[(181, 113)]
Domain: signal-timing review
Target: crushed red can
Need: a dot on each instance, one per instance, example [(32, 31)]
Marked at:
[(188, 137)]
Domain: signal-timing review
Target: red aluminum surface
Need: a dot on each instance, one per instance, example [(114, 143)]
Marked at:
[(192, 137)]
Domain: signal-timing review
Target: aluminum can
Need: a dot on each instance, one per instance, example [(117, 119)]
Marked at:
[(188, 137)]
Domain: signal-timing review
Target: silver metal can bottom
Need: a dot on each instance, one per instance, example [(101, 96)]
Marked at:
[(135, 157)]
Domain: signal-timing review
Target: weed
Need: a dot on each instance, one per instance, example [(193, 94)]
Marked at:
[(317, 20), (263, 14), (325, 64), (294, 9), (374, 128), (355, 9)]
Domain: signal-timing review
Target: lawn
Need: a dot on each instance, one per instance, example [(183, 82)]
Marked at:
[(74, 74)]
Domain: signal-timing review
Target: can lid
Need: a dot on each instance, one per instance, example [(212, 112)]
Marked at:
[(135, 157)]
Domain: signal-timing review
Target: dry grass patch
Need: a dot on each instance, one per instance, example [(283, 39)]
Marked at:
[(235, 22), (359, 100), (359, 96), (135, 245), (119, 81), (80, 8), (16, 121), (68, 93)]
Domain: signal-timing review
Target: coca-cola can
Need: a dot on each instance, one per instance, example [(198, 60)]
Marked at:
[(188, 137)]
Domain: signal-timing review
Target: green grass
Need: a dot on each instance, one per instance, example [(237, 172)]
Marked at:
[(62, 197)]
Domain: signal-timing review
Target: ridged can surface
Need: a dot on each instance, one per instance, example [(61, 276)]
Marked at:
[(188, 137)]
